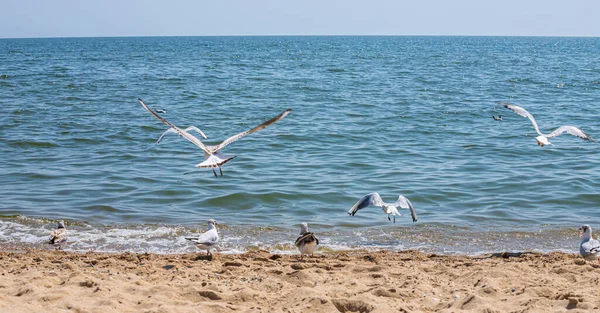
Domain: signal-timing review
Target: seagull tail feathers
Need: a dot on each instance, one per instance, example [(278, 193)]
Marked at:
[(214, 161)]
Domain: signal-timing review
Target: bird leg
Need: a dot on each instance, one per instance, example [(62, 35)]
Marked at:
[(214, 172), (220, 170), (394, 218), (389, 219)]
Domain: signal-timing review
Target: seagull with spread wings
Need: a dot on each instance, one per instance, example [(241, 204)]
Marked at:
[(388, 208), (212, 154), (542, 139)]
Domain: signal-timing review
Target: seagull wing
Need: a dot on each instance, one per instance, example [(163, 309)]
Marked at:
[(572, 130), (404, 203), (58, 235), (248, 132), (519, 110), (180, 131), (306, 238), (208, 238), (196, 129), (589, 247), (172, 130), (370, 199)]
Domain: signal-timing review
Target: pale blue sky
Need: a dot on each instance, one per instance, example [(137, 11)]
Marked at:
[(81, 18)]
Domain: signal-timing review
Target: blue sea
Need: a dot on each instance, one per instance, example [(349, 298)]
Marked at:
[(393, 115)]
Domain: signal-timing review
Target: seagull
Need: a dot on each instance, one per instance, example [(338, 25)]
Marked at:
[(208, 239), (58, 236), (542, 139), (589, 247), (307, 241), (162, 111), (212, 154), (388, 208), (499, 118)]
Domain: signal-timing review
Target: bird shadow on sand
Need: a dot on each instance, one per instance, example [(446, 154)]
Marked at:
[(506, 255), (204, 257)]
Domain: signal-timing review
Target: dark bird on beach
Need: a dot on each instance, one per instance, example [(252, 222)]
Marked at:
[(307, 241)]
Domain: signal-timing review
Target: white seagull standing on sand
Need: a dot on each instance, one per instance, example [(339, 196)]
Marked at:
[(542, 139), (388, 208), (212, 154), (208, 239), (307, 241), (589, 247), (58, 236)]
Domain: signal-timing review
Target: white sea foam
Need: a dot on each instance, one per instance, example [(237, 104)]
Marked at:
[(234, 239)]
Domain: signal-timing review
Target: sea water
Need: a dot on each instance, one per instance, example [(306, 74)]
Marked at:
[(393, 115)]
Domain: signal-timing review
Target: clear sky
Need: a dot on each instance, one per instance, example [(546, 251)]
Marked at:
[(83, 18)]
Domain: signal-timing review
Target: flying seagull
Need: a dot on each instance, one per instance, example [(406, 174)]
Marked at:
[(542, 139), (58, 236), (161, 111), (212, 154), (388, 208), (208, 239), (307, 241), (499, 118), (589, 247)]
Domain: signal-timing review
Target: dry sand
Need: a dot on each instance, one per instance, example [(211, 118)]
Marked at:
[(56, 281)]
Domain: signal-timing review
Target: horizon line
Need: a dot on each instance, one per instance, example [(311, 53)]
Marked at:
[(296, 35)]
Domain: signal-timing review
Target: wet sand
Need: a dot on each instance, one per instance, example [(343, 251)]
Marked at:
[(359, 281)]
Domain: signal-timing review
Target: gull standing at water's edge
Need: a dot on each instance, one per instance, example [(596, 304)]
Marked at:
[(589, 248), (212, 154), (307, 241), (542, 139), (58, 236), (208, 239), (388, 208)]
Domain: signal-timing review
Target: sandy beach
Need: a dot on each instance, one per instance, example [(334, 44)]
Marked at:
[(358, 281)]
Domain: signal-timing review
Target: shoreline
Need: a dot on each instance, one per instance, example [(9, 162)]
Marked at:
[(258, 281), (168, 239)]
